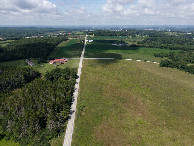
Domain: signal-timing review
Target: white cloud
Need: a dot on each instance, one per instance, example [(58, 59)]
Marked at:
[(27, 6), (126, 12), (21, 12), (150, 11)]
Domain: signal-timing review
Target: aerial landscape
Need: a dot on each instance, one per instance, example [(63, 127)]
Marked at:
[(96, 73)]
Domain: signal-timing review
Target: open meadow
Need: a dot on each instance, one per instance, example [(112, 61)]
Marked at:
[(134, 103), (105, 49), (68, 49)]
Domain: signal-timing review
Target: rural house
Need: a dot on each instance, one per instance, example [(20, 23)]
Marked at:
[(58, 61)]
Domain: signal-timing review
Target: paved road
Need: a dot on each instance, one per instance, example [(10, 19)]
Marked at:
[(99, 58), (88, 58), (70, 124)]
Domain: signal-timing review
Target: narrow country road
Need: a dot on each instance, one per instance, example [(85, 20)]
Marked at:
[(70, 124)]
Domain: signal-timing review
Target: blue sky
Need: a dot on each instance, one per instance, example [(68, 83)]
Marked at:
[(96, 12)]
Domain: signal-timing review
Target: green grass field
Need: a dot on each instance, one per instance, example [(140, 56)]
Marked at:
[(104, 48), (134, 103), (57, 141), (68, 49)]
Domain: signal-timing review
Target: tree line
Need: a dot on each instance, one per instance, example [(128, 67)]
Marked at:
[(16, 33), (182, 42), (126, 32), (179, 60), (30, 48)]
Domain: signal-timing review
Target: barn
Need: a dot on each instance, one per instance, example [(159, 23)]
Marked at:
[(58, 61)]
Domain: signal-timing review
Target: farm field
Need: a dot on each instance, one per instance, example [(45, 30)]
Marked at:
[(68, 49), (134, 103), (115, 38), (105, 49)]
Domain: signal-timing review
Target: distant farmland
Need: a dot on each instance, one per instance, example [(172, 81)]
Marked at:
[(105, 49), (134, 103)]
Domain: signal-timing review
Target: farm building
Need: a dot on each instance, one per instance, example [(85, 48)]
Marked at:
[(29, 62), (90, 41), (58, 61)]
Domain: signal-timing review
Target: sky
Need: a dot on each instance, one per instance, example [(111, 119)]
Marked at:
[(96, 12)]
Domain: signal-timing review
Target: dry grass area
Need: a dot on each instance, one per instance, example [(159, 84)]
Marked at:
[(134, 103)]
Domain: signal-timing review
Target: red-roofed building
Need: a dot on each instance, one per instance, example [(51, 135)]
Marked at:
[(58, 61)]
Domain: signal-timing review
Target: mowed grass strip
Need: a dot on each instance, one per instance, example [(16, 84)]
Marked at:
[(105, 49), (134, 103), (68, 49)]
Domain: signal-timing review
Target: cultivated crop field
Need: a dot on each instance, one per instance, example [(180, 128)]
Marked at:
[(134, 103), (105, 49)]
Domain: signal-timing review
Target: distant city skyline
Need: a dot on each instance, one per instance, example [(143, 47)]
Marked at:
[(101, 12)]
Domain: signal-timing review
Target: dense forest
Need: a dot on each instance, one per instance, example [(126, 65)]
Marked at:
[(15, 77), (38, 111), (30, 48)]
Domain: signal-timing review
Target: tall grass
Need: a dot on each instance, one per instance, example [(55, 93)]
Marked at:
[(134, 103)]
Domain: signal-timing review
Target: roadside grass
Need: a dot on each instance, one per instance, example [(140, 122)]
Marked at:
[(42, 67), (105, 49), (68, 49), (134, 103), (57, 141)]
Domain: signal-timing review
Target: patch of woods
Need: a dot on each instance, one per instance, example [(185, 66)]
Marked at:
[(180, 60), (30, 48), (181, 42), (183, 60), (34, 109)]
